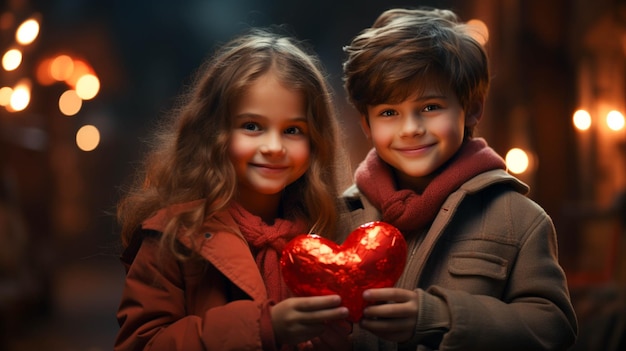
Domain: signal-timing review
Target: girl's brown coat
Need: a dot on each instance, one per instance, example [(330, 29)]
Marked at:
[(214, 303)]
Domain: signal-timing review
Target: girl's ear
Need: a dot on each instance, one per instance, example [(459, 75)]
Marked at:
[(365, 126), (474, 114)]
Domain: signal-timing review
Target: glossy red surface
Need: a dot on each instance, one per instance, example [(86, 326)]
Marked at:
[(373, 256)]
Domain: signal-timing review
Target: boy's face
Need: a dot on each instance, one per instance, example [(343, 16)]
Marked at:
[(418, 135)]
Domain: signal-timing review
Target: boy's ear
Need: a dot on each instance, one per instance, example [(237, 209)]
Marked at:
[(365, 126), (474, 113)]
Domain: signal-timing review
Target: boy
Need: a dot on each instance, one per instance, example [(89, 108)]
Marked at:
[(482, 270)]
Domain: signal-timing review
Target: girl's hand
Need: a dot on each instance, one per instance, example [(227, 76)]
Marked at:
[(394, 314), (298, 319)]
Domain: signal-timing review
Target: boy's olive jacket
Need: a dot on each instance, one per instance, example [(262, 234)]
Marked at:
[(486, 271)]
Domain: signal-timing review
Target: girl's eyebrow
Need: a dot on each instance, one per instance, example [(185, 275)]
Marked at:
[(300, 119), (249, 115), (257, 116)]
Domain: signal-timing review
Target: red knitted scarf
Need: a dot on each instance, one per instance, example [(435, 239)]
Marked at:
[(409, 211), (267, 243)]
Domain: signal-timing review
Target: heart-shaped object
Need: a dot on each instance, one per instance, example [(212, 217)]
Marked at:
[(373, 256)]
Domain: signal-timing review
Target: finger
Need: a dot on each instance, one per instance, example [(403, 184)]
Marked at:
[(390, 310), (315, 303), (387, 294), (323, 316)]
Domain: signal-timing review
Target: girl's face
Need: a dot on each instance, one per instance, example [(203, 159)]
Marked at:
[(418, 135), (269, 146)]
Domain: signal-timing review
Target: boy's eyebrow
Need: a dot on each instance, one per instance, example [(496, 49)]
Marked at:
[(416, 98), (433, 95)]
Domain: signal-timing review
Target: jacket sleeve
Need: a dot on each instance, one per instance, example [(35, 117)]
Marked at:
[(535, 312), (152, 313)]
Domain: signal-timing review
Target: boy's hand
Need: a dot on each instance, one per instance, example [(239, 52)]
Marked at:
[(394, 315), (299, 319)]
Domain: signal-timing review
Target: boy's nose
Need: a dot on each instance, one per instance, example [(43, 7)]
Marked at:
[(412, 126)]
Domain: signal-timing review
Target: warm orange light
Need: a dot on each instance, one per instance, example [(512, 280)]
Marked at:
[(582, 120), (61, 67), (478, 31), (615, 120), (43, 72), (5, 95), (87, 86), (20, 98), (80, 69), (517, 161), (87, 138), (70, 103), (27, 32), (11, 59)]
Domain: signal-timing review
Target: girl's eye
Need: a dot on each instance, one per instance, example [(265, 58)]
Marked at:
[(293, 130), (251, 126)]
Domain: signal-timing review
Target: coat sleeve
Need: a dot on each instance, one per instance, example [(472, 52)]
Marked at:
[(152, 313), (534, 314)]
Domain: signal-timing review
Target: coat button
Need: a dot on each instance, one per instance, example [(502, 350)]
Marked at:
[(208, 235)]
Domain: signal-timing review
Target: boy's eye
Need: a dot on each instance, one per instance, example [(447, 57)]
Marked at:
[(431, 108), (387, 113)]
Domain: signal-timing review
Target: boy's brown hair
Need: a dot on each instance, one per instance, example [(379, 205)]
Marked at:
[(390, 61)]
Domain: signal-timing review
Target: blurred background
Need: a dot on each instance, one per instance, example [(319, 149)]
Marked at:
[(82, 83)]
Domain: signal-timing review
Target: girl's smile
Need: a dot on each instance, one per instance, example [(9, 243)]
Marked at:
[(269, 169)]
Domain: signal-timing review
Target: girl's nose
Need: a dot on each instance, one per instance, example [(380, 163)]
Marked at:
[(273, 145)]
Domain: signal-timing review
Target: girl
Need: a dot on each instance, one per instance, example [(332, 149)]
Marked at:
[(247, 163)]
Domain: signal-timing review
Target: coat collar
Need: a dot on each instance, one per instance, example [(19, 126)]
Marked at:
[(496, 176), (219, 241)]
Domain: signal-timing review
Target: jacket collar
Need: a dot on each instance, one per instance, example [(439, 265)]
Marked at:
[(496, 176), (219, 241)]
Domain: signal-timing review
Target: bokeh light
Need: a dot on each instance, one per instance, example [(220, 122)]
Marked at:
[(5, 95), (517, 161), (61, 67), (88, 138), (81, 68), (20, 98), (70, 103), (87, 86), (615, 120), (478, 30), (27, 32), (11, 59), (582, 120), (43, 72)]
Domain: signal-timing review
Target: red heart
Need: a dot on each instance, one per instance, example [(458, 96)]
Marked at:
[(373, 256)]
